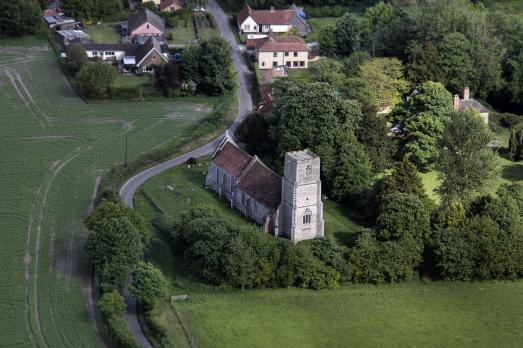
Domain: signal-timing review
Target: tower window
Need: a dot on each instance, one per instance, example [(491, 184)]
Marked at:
[(307, 217), (308, 170)]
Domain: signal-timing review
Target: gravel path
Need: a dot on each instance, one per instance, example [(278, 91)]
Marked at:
[(245, 82)]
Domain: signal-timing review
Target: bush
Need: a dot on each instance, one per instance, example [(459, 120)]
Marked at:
[(148, 285), (95, 80), (112, 307)]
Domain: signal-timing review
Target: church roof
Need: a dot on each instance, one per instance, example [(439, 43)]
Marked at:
[(252, 175)]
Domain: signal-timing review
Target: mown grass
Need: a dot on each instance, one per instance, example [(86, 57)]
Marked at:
[(103, 33), (54, 146), (317, 25)]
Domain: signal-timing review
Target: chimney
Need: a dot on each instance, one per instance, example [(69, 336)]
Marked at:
[(466, 93), (272, 8), (456, 102)]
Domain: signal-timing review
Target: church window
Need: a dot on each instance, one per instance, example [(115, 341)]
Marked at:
[(307, 216), (308, 170)]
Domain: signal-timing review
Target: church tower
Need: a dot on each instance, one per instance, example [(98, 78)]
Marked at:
[(301, 209)]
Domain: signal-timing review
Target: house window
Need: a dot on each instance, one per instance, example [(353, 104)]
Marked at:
[(147, 26), (286, 54), (294, 63), (307, 216), (95, 53), (263, 63), (275, 54), (247, 27), (308, 170), (296, 54), (274, 64), (302, 63), (255, 28), (154, 57), (289, 64)]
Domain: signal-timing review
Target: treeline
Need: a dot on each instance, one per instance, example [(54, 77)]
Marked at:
[(93, 10), (457, 43), (115, 244), (309, 4), (20, 18)]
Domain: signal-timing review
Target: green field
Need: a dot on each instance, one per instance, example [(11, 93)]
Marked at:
[(103, 33), (55, 148), (181, 35)]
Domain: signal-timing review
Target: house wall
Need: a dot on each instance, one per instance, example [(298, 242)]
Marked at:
[(118, 55), (225, 185), (276, 28), (172, 8), (266, 59), (153, 58), (249, 26), (147, 29)]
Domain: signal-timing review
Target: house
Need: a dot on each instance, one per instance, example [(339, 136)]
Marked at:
[(468, 103), (64, 37), (143, 58), (171, 5), (145, 24), (290, 206), (277, 21), (61, 22), (276, 51), (105, 52)]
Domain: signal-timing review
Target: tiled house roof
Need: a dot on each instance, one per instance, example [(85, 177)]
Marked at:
[(266, 17), (145, 16), (232, 159), (281, 44), (465, 104)]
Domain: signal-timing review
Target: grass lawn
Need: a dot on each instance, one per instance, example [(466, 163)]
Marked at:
[(302, 75), (208, 33), (55, 148), (181, 35), (103, 33), (317, 24), (127, 81)]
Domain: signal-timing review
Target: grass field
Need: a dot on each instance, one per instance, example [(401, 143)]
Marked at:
[(55, 148), (103, 33), (181, 35)]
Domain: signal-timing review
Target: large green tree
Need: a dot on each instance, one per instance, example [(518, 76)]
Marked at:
[(95, 80), (210, 65), (456, 62), (515, 144), (466, 163), (76, 58), (420, 120), (348, 34), (404, 179), (148, 284), (19, 18)]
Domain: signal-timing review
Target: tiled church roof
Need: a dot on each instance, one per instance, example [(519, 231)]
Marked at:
[(252, 175)]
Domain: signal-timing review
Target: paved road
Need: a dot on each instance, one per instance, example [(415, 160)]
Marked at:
[(129, 188)]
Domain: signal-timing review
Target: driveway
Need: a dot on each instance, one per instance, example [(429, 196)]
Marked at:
[(244, 78)]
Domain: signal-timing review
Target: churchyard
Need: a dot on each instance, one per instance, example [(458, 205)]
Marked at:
[(434, 312), (55, 148)]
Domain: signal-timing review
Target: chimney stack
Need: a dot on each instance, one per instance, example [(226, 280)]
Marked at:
[(272, 8), (466, 93), (456, 102)]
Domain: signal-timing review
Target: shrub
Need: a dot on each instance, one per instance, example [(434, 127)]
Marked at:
[(148, 284), (95, 80), (112, 307)]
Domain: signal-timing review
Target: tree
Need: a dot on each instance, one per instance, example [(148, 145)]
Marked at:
[(420, 120), (148, 284), (358, 89), (114, 241), (19, 18), (210, 65), (402, 216), (168, 77), (327, 41), (373, 134), (92, 9), (328, 70), (76, 58), (353, 62), (376, 19), (329, 132), (466, 163), (95, 80), (254, 132), (515, 144), (348, 34), (422, 62), (385, 77), (404, 179), (111, 304), (456, 61)]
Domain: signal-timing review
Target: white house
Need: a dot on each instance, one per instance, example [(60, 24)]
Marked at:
[(105, 51), (277, 21), (276, 51)]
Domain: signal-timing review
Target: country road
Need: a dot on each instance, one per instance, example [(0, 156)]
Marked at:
[(245, 82)]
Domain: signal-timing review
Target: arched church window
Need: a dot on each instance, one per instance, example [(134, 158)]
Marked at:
[(308, 170), (307, 216)]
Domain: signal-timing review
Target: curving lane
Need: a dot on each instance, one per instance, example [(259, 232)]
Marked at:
[(244, 79)]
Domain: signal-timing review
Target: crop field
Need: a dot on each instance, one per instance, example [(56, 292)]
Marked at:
[(54, 149)]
